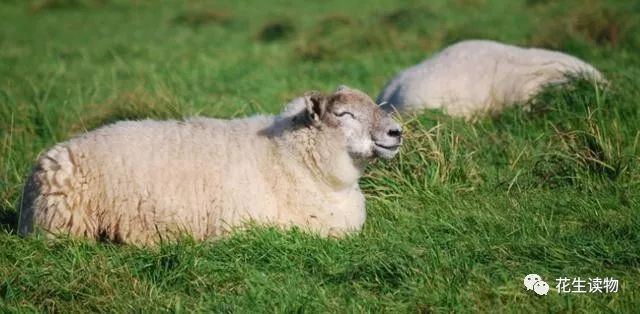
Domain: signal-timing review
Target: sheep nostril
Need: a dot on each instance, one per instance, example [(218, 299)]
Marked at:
[(395, 133)]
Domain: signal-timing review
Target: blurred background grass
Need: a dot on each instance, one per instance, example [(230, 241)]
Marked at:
[(455, 222)]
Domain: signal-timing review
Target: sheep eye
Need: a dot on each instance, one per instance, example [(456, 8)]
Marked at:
[(344, 113)]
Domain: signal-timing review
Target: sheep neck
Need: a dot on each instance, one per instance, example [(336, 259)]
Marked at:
[(322, 153)]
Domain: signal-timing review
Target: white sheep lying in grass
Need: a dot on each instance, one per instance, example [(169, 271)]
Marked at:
[(477, 77), (144, 181)]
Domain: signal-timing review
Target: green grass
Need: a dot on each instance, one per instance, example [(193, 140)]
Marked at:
[(454, 223)]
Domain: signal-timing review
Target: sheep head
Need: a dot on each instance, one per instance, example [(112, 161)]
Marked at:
[(368, 130)]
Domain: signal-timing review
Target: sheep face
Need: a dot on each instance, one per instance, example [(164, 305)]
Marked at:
[(368, 130)]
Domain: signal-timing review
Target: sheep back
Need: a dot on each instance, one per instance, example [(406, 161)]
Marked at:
[(144, 181)]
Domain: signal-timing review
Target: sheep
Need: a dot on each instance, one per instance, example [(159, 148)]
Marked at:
[(145, 182), (477, 77)]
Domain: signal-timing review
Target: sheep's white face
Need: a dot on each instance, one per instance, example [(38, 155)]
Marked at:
[(368, 130)]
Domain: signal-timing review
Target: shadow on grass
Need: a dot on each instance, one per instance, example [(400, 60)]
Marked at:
[(50, 5), (276, 30), (199, 18), (8, 220)]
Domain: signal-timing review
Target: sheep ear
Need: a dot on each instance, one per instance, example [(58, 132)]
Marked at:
[(316, 107)]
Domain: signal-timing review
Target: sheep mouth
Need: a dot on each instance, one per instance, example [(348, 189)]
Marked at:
[(390, 147), (386, 151)]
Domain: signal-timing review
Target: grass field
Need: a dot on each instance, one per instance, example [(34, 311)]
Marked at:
[(454, 223)]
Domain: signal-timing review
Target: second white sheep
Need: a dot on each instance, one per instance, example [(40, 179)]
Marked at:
[(478, 77)]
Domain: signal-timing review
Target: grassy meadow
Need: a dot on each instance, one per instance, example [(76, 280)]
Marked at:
[(454, 223)]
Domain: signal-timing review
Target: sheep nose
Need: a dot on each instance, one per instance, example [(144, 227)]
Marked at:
[(395, 133)]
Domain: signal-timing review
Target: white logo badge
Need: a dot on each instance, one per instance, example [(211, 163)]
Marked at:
[(534, 282)]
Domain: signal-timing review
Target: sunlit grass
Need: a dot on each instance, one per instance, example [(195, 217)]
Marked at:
[(454, 223)]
